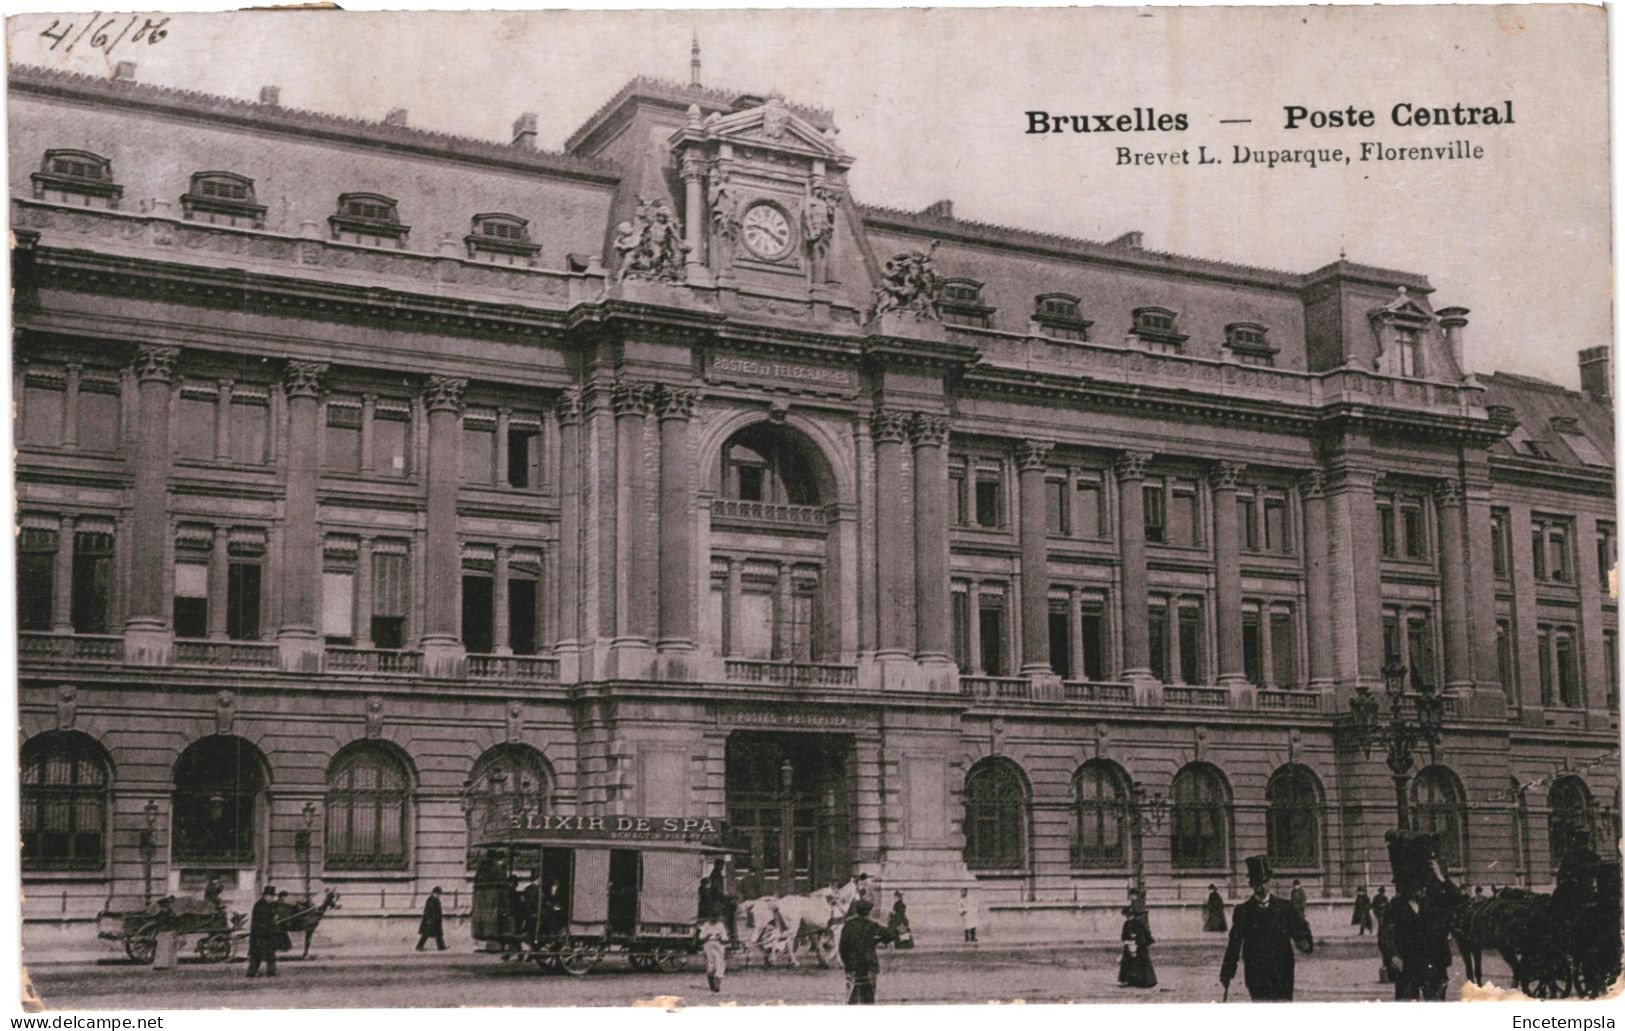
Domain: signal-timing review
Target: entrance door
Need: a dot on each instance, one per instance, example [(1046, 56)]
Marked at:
[(558, 867), (788, 805), (623, 892)]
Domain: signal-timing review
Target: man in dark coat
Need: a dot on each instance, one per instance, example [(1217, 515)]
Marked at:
[(859, 938), (1300, 900), (1263, 931), (432, 925), (1379, 905), (262, 934), (284, 912), (1362, 911), (1417, 927), (1213, 911)]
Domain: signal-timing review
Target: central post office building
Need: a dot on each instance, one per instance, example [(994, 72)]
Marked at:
[(365, 472)]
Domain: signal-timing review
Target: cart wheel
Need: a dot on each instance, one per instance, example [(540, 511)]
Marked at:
[(824, 945), (580, 959), (668, 960), (216, 948), (143, 949)]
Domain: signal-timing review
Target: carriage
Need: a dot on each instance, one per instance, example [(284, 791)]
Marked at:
[(597, 885), (215, 932)]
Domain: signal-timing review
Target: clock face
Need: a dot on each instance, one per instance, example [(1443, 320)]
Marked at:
[(766, 232)]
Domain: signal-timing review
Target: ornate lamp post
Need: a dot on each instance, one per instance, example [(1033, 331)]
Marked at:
[(301, 844), (1400, 735), (787, 828), (1145, 813), (149, 846)]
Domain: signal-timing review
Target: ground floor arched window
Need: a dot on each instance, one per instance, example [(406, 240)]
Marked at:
[(1200, 818), (1292, 818), (65, 784), (1569, 825), (506, 781), (1099, 836), (1439, 806), (995, 816), (368, 809)]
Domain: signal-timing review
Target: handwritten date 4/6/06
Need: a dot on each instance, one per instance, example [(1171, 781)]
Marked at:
[(104, 35)]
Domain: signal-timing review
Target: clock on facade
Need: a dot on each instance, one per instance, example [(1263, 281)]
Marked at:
[(766, 232)]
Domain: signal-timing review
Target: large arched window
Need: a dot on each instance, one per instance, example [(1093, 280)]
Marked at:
[(1099, 833), (995, 816), (1292, 821), (368, 802), (218, 785), (1569, 825), (1200, 821), (506, 780), (767, 463), (1438, 805), (64, 802)]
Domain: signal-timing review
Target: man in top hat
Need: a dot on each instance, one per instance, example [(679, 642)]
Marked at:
[(859, 937), (263, 934), (1417, 925), (1263, 931)]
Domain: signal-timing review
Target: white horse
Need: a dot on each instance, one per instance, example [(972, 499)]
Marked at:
[(777, 924)]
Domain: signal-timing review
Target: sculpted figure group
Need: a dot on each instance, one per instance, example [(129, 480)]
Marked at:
[(651, 246)]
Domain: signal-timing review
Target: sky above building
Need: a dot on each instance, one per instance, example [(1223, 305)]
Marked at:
[(933, 105)]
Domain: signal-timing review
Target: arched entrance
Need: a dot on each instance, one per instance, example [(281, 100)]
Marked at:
[(789, 804), (220, 785)]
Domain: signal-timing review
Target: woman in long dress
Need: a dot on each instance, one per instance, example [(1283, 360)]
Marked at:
[(1213, 911), (1362, 911), (1135, 970), (897, 923)]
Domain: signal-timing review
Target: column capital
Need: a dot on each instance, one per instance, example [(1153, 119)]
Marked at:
[(444, 393), (630, 399), (890, 427), (693, 166), (1226, 475), (1447, 493), (226, 384), (304, 379), (568, 406), (1033, 455), (1131, 465), (1312, 485), (928, 430), (156, 363), (676, 402)]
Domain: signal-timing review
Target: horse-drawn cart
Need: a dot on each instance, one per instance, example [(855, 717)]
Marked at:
[(208, 923)]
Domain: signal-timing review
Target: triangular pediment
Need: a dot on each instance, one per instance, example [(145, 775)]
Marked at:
[(772, 125), (1402, 308)]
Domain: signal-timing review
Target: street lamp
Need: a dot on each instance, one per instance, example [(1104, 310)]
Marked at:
[(1144, 813), (1400, 735), (301, 843), (149, 846)]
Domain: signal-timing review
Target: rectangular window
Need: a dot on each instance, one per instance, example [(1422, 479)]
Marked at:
[(99, 412), (1060, 641), (1184, 521), (1498, 544), (961, 620), (1419, 638), (1605, 553), (523, 595), (343, 438), (524, 457), (1537, 551), (1385, 527), (1504, 664), (1157, 641), (756, 623), (36, 578), (1415, 538), (43, 405), (249, 420), (1252, 649), (1055, 521), (1392, 652), (191, 605), (194, 426), (1156, 519), (1568, 672), (990, 617), (717, 601), (1276, 537), (1191, 666), (338, 606), (958, 500), (1610, 659), (478, 613), (243, 601), (391, 594), (803, 644), (479, 454), (1557, 551), (989, 501), (1410, 352), (391, 443), (92, 582), (1247, 521), (1284, 648), (1543, 641), (1089, 513), (1093, 631)]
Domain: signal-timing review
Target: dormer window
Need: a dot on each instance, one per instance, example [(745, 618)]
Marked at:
[(368, 218), (1156, 326), (1408, 348), (224, 198), (1058, 318), (504, 239), (961, 304), (1249, 342), (76, 177)]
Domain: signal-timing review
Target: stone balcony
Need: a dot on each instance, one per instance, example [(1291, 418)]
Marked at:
[(373, 660), (790, 674), (726, 511), (43, 647), (538, 669), (227, 654)]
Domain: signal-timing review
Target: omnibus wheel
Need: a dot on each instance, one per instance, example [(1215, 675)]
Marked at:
[(668, 960), (579, 960), (142, 948), (216, 948)]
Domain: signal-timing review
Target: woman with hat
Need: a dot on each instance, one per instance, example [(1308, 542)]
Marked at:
[(1135, 970), (1263, 932)]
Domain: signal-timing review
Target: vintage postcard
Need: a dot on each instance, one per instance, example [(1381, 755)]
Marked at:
[(1092, 505)]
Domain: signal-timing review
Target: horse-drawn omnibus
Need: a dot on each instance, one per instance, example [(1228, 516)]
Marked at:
[(596, 885)]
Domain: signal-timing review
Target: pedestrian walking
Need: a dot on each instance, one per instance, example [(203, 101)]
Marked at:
[(1379, 905), (969, 914), (897, 923), (1362, 911), (859, 938), (714, 943), (433, 923), (1418, 927), (284, 912), (262, 934), (1135, 970), (1300, 901), (1213, 911), (1263, 931), (165, 946)]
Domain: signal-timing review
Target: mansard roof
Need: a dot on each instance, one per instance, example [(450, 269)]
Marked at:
[(1541, 408)]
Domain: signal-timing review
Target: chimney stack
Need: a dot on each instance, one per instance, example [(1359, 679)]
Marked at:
[(524, 131), (271, 96), (396, 116), (1133, 240), (1596, 373), (1454, 323), (124, 70), (941, 209)]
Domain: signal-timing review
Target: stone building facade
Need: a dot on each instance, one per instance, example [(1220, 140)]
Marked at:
[(364, 470)]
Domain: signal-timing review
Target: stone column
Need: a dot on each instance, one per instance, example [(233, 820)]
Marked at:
[(148, 637), (369, 411), (1458, 670), (363, 593), (501, 632), (504, 419), (693, 211), (1318, 586), (442, 643), (568, 408), (891, 532), (973, 597), (1355, 574), (70, 404), (736, 591), (1131, 551), (62, 573), (631, 402), (1032, 460), (1074, 616), (1224, 481), (222, 421), (782, 609), (303, 384), (219, 572), (677, 587), (932, 616)]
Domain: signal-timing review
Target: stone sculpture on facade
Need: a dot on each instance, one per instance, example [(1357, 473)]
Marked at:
[(724, 220), (818, 228), (909, 284), (651, 246)]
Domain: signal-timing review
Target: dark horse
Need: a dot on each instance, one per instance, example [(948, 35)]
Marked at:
[(308, 918)]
